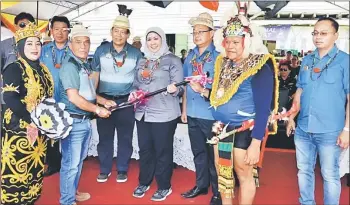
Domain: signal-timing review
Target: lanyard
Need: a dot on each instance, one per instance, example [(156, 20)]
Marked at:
[(318, 70), (146, 72), (197, 67), (117, 64), (55, 63)]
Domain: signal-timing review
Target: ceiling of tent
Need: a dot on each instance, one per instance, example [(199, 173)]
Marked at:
[(48, 9), (99, 15), (173, 19)]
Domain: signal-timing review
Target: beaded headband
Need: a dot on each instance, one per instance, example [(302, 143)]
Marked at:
[(31, 30), (236, 28)]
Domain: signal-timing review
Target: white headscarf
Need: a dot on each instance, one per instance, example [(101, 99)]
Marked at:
[(164, 49)]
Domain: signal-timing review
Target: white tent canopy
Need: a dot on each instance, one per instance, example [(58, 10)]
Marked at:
[(98, 16), (174, 18)]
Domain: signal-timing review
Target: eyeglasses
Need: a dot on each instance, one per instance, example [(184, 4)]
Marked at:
[(63, 30), (283, 69), (200, 33), (322, 33)]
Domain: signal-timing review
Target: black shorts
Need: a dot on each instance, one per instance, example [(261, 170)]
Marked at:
[(242, 139)]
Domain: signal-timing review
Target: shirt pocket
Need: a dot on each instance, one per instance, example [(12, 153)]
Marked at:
[(304, 77), (329, 78), (332, 76), (163, 74), (165, 67)]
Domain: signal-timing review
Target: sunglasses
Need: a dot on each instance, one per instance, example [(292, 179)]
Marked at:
[(283, 69), (22, 25)]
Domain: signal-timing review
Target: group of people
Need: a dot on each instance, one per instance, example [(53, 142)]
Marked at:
[(244, 88)]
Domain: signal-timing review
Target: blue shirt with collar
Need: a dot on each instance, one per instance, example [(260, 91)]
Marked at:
[(47, 58), (324, 94), (75, 74), (197, 106), (113, 80)]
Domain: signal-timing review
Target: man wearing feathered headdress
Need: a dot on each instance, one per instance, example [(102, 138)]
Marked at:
[(115, 62), (244, 88)]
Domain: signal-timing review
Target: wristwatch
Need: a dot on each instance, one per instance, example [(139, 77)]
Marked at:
[(346, 129), (98, 110)]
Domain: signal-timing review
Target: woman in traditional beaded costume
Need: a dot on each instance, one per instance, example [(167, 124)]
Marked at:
[(26, 83), (244, 90)]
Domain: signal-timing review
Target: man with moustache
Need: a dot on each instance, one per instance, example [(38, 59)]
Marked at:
[(115, 62), (195, 107), (323, 123), (244, 90), (78, 93), (52, 56)]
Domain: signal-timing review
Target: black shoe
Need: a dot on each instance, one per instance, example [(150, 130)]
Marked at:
[(216, 200), (51, 171), (195, 192), (140, 191), (161, 194), (103, 177), (122, 177)]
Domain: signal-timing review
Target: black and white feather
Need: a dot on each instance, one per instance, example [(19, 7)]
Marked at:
[(51, 119), (123, 10)]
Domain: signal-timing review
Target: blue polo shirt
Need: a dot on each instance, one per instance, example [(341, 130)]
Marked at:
[(47, 59), (115, 80), (324, 94), (197, 106), (74, 74)]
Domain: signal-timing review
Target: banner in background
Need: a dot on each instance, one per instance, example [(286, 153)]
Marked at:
[(7, 4), (275, 33)]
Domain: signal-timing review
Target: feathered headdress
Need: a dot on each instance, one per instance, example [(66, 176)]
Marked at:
[(123, 10), (235, 23)]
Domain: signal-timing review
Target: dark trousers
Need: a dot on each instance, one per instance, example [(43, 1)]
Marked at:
[(199, 131), (53, 156), (124, 121), (156, 152)]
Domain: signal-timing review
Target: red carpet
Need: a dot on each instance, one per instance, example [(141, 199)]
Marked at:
[(278, 185)]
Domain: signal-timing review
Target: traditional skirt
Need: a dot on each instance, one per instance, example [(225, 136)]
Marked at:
[(22, 167), (226, 177)]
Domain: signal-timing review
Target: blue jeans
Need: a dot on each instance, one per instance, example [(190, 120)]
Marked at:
[(308, 145), (74, 151)]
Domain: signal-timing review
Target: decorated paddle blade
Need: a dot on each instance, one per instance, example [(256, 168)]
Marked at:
[(51, 119), (142, 96), (203, 80), (220, 131)]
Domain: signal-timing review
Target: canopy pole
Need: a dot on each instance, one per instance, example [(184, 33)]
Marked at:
[(37, 13)]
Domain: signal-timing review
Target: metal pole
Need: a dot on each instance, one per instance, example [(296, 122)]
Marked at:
[(37, 13)]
